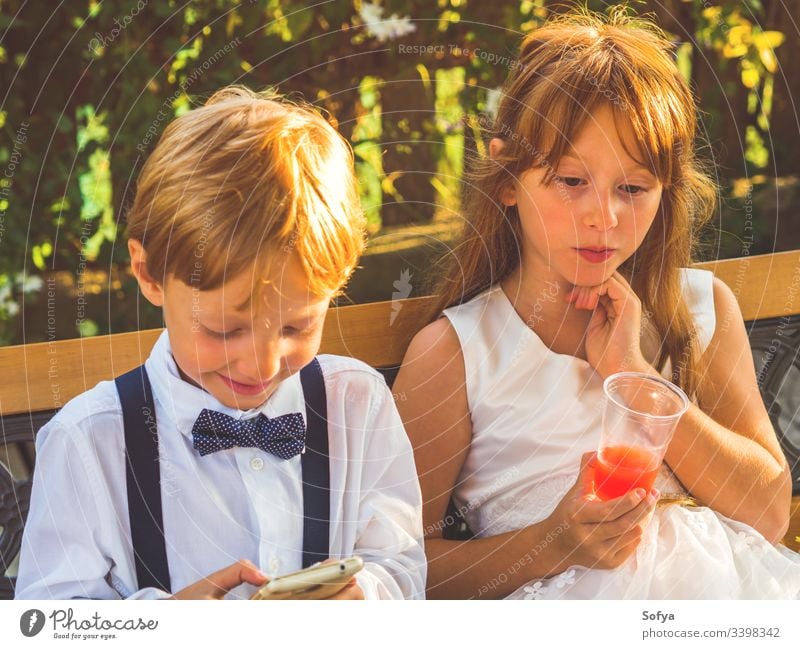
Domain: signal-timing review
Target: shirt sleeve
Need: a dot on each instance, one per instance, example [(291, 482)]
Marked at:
[(72, 531), (389, 536)]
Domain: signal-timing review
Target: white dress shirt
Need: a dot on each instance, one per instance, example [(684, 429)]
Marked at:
[(241, 503)]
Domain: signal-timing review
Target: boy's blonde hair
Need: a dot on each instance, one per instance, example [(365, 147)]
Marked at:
[(243, 177)]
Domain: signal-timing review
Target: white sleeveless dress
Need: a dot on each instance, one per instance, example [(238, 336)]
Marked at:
[(535, 412)]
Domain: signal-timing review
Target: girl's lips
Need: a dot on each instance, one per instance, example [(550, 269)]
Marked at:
[(244, 388), (595, 256)]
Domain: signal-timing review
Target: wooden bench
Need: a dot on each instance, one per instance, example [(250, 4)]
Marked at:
[(36, 379)]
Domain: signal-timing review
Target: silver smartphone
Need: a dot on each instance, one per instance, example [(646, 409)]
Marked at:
[(315, 582)]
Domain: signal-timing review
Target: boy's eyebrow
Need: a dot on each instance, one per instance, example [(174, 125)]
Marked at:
[(308, 318), (243, 306)]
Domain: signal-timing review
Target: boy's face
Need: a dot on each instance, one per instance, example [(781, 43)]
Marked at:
[(238, 344)]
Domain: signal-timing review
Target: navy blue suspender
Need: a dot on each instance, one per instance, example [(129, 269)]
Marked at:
[(143, 479), (316, 468), (144, 485)]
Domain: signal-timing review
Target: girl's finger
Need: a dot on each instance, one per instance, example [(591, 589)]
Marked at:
[(587, 297), (571, 295), (624, 282), (609, 510), (619, 294), (609, 312), (581, 300)]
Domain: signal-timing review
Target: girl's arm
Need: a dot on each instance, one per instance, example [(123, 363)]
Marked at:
[(727, 453), (430, 392)]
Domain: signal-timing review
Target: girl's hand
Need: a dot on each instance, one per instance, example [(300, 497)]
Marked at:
[(613, 337), (218, 585), (599, 534)]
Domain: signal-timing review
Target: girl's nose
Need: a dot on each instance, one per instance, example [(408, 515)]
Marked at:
[(602, 214)]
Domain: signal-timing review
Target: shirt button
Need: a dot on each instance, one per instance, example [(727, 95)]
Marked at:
[(274, 566), (256, 464)]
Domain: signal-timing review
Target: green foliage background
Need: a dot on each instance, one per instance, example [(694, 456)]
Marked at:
[(88, 88)]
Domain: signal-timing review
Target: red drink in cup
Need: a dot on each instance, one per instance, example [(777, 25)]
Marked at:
[(623, 468), (640, 415)]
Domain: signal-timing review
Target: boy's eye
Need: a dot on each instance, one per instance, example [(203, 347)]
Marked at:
[(221, 335)]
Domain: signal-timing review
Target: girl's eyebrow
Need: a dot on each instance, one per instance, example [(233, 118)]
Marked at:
[(636, 166)]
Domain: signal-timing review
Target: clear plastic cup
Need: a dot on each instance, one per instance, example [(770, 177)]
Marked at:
[(639, 418)]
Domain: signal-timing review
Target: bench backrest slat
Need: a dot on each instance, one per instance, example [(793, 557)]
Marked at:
[(44, 376)]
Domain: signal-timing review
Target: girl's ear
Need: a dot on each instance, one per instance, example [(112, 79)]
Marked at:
[(150, 288), (495, 147), (508, 195)]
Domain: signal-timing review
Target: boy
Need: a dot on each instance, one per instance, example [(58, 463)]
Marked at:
[(244, 226)]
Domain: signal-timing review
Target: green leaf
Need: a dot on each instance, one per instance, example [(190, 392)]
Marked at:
[(755, 151), (299, 20), (95, 186), (86, 328), (60, 204), (750, 77), (684, 61), (91, 248), (40, 253), (94, 129), (768, 59)]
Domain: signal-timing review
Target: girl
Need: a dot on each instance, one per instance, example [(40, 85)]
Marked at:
[(574, 266)]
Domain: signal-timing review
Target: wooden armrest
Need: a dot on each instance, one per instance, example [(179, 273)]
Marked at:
[(791, 538)]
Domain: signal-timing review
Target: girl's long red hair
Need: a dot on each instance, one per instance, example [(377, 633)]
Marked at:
[(567, 68)]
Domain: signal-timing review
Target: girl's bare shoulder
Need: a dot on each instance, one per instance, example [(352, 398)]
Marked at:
[(434, 363)]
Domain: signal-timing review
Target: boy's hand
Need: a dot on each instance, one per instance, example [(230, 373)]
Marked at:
[(217, 585), (351, 591)]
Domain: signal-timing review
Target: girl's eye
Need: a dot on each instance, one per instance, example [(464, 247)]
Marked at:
[(569, 181), (292, 331), (632, 189)]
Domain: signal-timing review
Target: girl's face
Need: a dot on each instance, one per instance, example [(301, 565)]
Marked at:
[(597, 211)]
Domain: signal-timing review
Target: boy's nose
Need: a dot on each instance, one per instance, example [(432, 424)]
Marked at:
[(262, 362)]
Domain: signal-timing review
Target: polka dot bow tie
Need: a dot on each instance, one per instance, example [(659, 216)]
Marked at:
[(284, 436)]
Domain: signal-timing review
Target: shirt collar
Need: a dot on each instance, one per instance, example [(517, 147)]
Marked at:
[(183, 401)]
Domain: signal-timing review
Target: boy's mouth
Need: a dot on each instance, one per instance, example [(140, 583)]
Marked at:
[(244, 388), (596, 255)]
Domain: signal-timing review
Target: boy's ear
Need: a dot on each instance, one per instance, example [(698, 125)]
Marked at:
[(508, 196), (150, 288)]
